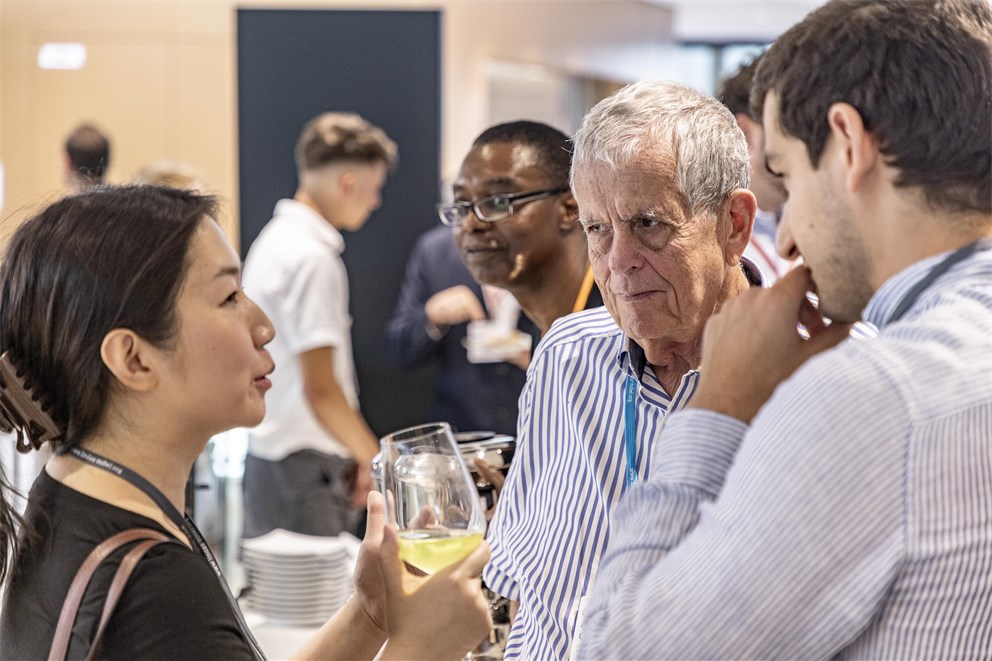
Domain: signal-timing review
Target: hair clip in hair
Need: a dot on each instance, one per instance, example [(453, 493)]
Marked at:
[(22, 409)]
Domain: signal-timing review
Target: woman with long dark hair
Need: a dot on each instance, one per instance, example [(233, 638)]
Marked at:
[(126, 342)]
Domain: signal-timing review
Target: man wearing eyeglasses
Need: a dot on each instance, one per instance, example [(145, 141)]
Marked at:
[(516, 223), (660, 173)]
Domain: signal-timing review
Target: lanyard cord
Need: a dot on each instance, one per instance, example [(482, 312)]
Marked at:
[(584, 290), (184, 523), (940, 269), (630, 429)]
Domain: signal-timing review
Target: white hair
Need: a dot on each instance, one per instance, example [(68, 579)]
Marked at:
[(656, 118)]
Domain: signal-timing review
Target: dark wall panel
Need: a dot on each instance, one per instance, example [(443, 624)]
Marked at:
[(384, 65)]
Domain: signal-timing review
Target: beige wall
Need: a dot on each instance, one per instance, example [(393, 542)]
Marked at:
[(160, 76)]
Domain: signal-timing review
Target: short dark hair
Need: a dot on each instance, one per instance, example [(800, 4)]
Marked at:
[(920, 75), (89, 153), (735, 91), (553, 147), (337, 137), (113, 257)]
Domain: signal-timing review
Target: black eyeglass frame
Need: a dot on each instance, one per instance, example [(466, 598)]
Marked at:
[(511, 198)]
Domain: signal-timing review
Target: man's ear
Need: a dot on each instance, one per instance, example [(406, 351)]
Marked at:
[(569, 221), (739, 215), (126, 355), (858, 148), (346, 182)]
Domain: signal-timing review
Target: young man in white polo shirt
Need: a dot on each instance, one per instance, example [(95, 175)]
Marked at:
[(308, 463)]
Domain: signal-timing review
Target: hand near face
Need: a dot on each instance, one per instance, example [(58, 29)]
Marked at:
[(442, 616), (452, 306), (752, 345)]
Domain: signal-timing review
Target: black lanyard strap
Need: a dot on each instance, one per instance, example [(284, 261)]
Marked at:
[(940, 269), (136, 480), (184, 523)]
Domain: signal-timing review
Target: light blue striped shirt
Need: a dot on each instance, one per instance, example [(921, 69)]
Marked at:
[(853, 519), (551, 522)]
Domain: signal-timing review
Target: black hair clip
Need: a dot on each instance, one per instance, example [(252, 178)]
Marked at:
[(22, 408)]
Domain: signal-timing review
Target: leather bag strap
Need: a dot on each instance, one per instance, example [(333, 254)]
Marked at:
[(63, 630), (117, 587)]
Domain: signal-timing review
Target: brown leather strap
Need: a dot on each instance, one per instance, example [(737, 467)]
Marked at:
[(117, 587), (63, 630)]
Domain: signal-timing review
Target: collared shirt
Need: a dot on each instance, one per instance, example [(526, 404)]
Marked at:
[(295, 273), (852, 519), (551, 522)]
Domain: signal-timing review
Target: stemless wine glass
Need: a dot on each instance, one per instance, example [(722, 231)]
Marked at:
[(430, 497)]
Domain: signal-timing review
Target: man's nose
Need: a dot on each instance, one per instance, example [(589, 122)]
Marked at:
[(785, 244), (472, 223), (625, 251)]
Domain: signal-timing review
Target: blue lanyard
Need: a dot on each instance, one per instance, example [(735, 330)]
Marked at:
[(630, 429)]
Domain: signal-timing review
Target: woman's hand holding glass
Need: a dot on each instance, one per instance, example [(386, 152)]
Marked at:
[(442, 616), (436, 523), (430, 497)]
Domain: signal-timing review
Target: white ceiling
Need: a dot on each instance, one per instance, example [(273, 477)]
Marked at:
[(734, 20)]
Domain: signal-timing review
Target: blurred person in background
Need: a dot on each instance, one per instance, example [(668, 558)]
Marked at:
[(735, 93), (515, 220), (438, 297), (171, 172), (87, 157), (309, 461)]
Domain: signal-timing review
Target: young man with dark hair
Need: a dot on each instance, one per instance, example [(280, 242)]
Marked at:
[(308, 464), (821, 498)]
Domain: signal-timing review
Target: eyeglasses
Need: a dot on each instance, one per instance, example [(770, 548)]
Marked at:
[(490, 209)]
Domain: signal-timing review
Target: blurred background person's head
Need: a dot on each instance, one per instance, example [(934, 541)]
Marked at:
[(87, 151), (342, 161), (735, 92), (515, 220), (172, 173)]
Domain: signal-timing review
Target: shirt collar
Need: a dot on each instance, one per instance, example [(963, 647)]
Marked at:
[(881, 306), (314, 224)]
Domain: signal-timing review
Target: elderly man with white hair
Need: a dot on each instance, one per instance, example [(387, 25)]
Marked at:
[(660, 172)]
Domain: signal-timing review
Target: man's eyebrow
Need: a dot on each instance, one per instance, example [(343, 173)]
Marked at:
[(495, 182), (500, 181)]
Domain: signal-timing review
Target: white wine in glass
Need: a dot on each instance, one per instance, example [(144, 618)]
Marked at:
[(431, 497)]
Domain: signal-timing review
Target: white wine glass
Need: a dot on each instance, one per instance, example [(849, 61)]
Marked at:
[(430, 497)]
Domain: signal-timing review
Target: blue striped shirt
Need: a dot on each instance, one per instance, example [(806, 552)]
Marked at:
[(551, 522), (852, 519)]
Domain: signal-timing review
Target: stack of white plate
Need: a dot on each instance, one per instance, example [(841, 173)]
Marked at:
[(298, 580)]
